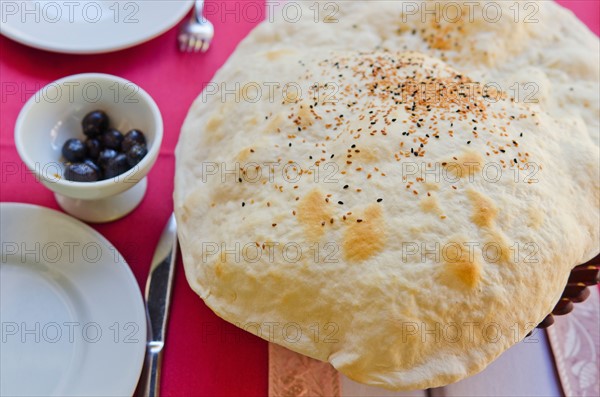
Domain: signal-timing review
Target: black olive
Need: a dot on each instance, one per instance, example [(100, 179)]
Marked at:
[(136, 154), (111, 139), (95, 166), (105, 156), (74, 150), (93, 148), (94, 123), (116, 166), (81, 172), (133, 137)]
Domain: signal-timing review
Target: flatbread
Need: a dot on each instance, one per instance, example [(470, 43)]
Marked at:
[(329, 203)]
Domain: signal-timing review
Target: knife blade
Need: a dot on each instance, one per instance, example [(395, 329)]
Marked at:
[(158, 297)]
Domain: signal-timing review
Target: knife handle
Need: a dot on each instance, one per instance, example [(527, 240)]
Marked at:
[(153, 364)]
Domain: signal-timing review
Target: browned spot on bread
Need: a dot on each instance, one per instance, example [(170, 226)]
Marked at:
[(305, 117), (484, 210), (496, 248), (219, 268), (430, 204), (193, 200), (223, 269), (366, 155), (243, 155), (312, 213), (431, 186), (536, 217), (247, 93), (274, 123), (365, 235), (445, 33), (460, 267), (467, 165), (415, 232), (402, 28), (214, 123), (227, 192), (291, 96), (276, 54)]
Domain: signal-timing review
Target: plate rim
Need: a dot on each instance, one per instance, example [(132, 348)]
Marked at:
[(15, 34), (131, 280)]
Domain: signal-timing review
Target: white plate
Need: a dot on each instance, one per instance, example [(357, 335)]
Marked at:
[(87, 27), (73, 319)]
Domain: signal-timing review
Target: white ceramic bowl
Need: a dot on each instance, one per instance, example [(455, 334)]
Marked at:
[(54, 114)]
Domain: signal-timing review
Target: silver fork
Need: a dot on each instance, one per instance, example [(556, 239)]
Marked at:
[(197, 33)]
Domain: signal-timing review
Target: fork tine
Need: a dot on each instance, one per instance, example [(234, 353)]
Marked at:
[(198, 45), (191, 43), (182, 42), (196, 34), (205, 45)]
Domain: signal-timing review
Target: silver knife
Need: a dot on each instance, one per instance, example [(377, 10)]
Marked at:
[(158, 297)]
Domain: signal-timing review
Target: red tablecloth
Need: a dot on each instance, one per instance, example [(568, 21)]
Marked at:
[(205, 356)]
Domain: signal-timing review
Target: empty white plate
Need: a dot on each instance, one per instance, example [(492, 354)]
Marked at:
[(86, 27), (72, 315)]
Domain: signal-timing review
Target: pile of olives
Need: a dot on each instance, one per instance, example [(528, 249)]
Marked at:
[(105, 153)]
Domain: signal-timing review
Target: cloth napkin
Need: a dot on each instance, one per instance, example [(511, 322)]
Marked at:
[(575, 342), (293, 374)]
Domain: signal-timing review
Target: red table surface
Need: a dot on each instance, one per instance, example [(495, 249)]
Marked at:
[(204, 356)]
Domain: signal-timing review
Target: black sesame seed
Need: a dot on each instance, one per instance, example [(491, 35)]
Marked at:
[(345, 186), (379, 200), (340, 202)]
